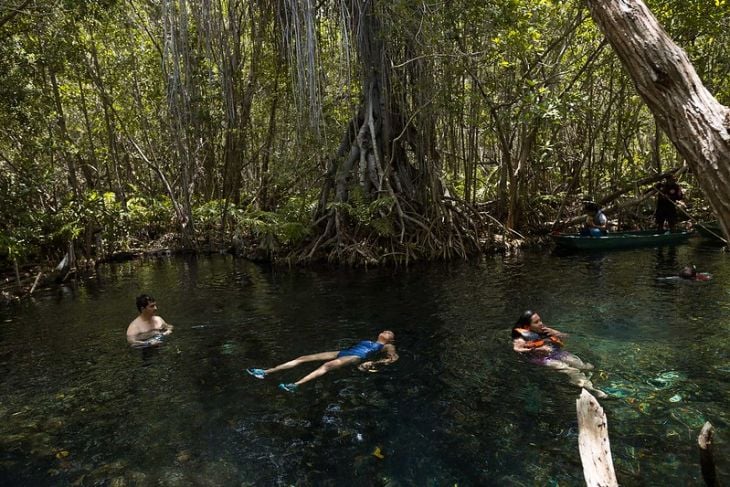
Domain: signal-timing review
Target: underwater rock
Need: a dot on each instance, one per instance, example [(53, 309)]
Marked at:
[(666, 379), (183, 456), (219, 473), (688, 417), (105, 473), (229, 348), (137, 478), (118, 482), (172, 478), (53, 424), (616, 392), (386, 481)]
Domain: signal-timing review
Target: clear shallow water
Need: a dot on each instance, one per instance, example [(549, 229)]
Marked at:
[(77, 406)]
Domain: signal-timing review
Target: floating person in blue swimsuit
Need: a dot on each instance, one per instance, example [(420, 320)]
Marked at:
[(544, 346), (335, 360)]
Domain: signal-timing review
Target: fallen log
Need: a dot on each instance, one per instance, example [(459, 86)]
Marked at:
[(35, 283), (595, 449), (707, 461)]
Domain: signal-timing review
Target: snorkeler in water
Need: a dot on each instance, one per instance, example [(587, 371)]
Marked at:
[(544, 346), (337, 359), (690, 273)]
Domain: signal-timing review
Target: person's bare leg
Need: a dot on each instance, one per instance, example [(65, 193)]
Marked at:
[(300, 360), (577, 378), (326, 367), (575, 361)]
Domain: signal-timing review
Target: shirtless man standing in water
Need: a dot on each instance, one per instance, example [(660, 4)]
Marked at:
[(147, 326)]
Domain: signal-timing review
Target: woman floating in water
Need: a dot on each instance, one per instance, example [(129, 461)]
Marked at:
[(544, 346)]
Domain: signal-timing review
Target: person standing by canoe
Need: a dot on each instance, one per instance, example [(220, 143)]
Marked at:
[(339, 358), (669, 193), (596, 221), (544, 346)]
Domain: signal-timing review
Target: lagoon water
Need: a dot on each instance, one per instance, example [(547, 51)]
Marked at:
[(79, 407)]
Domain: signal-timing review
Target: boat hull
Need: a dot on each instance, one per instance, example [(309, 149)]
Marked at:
[(620, 240)]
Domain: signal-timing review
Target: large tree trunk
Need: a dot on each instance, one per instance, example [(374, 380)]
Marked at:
[(697, 124), (183, 122), (382, 198)]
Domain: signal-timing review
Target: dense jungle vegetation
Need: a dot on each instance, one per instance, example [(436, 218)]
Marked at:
[(352, 130)]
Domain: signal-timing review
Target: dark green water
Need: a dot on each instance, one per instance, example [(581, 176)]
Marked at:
[(77, 406)]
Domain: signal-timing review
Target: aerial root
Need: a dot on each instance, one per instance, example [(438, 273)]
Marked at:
[(452, 231)]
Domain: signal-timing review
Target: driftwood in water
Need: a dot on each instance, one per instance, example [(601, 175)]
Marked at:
[(35, 283), (707, 462), (17, 272), (595, 449)]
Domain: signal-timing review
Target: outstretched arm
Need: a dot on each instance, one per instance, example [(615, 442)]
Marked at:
[(520, 345), (390, 356)]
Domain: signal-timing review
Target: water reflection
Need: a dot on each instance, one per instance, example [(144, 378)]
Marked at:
[(79, 406)]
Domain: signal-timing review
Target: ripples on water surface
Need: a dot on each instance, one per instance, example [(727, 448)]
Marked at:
[(79, 407)]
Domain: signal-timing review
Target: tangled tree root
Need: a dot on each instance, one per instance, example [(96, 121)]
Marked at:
[(454, 230)]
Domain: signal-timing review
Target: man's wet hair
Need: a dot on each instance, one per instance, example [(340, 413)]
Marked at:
[(688, 272), (143, 300)]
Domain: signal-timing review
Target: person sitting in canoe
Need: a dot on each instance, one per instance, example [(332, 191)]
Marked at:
[(596, 221), (544, 346), (690, 273)]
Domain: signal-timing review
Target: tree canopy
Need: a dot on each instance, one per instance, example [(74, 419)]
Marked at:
[(343, 129)]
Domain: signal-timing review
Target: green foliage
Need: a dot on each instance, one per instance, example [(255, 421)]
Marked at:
[(376, 215), (118, 227), (473, 81), (272, 230), (21, 228)]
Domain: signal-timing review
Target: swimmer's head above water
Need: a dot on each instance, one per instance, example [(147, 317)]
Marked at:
[(145, 300), (529, 320), (688, 272), (386, 336)]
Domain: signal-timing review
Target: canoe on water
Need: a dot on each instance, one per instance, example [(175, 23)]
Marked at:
[(620, 240)]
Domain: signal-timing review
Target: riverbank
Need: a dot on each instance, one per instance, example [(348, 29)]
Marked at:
[(31, 277)]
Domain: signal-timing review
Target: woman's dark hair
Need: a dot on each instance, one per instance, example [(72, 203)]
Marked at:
[(143, 300), (522, 322)]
